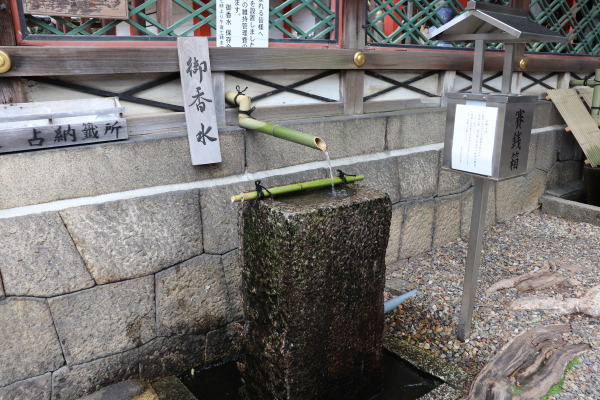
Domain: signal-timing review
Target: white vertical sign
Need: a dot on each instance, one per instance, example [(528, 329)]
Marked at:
[(199, 104), (242, 23), (474, 137)]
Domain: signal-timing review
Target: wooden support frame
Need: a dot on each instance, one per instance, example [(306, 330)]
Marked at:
[(11, 89), (75, 60), (354, 16)]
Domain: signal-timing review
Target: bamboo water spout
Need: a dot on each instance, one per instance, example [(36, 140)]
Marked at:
[(245, 121), (296, 187)]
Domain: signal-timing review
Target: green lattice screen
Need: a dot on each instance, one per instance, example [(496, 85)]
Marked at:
[(407, 22), (581, 23), (193, 17)]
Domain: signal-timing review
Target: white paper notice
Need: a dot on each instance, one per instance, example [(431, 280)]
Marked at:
[(242, 23), (474, 136)]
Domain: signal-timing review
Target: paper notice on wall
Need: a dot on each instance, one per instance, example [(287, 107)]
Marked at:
[(242, 23), (474, 136)]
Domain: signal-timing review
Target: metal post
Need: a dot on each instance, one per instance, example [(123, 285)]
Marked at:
[(480, 199), (507, 71), (478, 61)]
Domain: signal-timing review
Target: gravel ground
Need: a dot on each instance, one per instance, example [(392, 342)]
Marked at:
[(518, 246)]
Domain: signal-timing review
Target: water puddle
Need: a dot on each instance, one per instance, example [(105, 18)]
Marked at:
[(401, 381)]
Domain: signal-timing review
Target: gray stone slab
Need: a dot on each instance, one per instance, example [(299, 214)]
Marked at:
[(510, 195), (233, 278), (1, 288), (570, 210), (570, 191), (105, 320), (568, 147), (29, 346), (130, 238), (466, 210), (75, 381), (344, 136), (490, 216), (38, 388), (359, 134), (171, 356), (301, 176), (222, 344), (158, 358), (417, 229), (192, 297), (416, 128), (418, 174), (139, 162), (452, 182), (171, 388), (380, 175), (126, 390), (393, 248), (447, 220), (38, 257), (546, 114), (546, 150), (220, 216), (564, 172), (531, 157), (534, 188)]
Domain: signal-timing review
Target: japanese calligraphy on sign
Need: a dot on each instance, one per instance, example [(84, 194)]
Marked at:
[(519, 117), (474, 137), (242, 23), (43, 125), (199, 105)]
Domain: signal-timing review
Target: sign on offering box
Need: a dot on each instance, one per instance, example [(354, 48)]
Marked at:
[(488, 135)]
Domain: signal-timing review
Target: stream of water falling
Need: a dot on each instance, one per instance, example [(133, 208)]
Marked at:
[(330, 174)]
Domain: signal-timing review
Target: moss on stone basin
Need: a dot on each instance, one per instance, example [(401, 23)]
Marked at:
[(313, 275)]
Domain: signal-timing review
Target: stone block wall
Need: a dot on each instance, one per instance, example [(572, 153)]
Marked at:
[(119, 260)]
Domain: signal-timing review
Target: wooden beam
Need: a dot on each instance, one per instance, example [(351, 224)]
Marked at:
[(354, 16), (276, 113), (164, 12), (77, 60), (397, 105), (137, 19), (11, 89)]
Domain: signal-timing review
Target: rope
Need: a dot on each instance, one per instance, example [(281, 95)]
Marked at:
[(343, 176), (239, 92), (259, 192)]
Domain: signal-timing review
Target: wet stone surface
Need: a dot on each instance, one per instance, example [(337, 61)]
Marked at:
[(313, 274)]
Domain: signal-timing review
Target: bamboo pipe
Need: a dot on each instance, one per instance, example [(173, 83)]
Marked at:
[(296, 187), (245, 121)]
